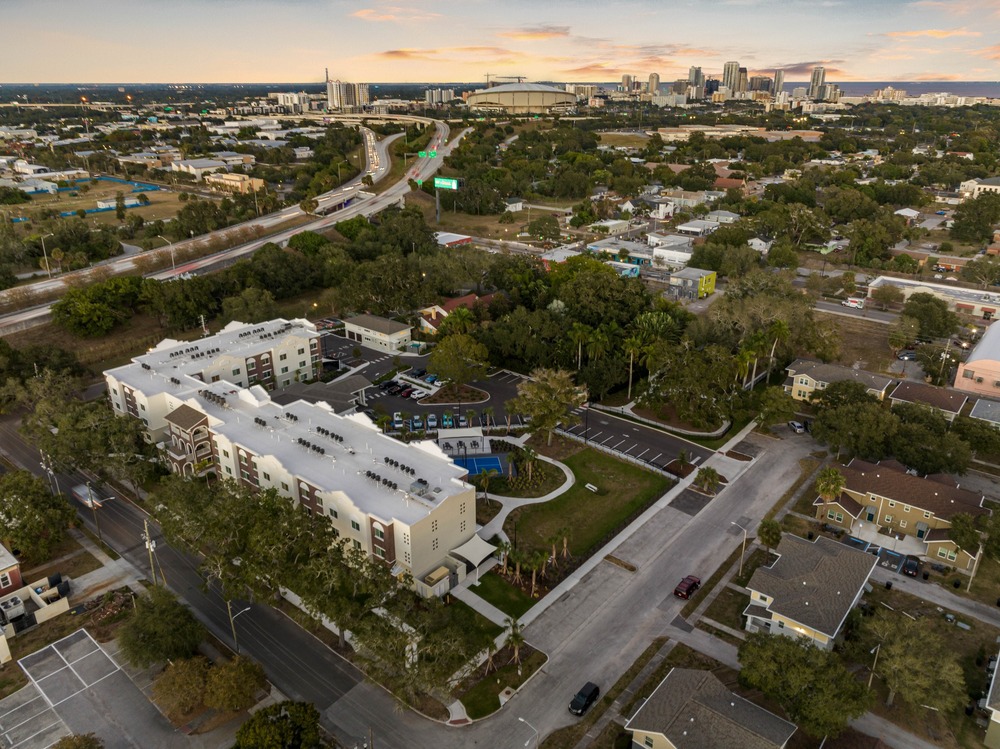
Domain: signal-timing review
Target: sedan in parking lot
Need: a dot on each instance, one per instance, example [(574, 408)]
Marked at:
[(418, 373), (405, 392), (907, 356), (797, 426), (911, 566), (418, 394), (432, 421)]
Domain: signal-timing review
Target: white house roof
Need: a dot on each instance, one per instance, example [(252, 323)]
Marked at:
[(988, 347)]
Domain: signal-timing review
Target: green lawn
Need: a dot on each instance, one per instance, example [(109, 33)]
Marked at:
[(624, 491), (470, 619), (509, 599), (483, 698)]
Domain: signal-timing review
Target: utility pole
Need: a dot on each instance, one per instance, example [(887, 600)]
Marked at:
[(150, 545), (437, 204)]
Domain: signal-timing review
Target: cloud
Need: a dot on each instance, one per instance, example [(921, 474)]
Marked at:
[(805, 68), (935, 77), (990, 53), (393, 15), (446, 54), (933, 33), (535, 33)]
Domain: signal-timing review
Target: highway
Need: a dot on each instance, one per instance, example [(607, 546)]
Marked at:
[(378, 167)]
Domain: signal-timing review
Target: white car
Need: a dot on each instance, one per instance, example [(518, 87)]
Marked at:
[(797, 427), (418, 394)]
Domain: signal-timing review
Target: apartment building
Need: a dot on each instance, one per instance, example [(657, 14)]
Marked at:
[(407, 504)]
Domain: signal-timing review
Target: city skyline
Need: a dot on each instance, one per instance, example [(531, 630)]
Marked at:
[(396, 41)]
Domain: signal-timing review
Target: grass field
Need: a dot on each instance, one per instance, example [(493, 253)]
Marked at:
[(163, 204), (634, 140), (506, 597), (483, 698), (862, 342), (624, 490)]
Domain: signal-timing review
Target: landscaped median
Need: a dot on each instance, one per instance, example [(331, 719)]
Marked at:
[(480, 692)]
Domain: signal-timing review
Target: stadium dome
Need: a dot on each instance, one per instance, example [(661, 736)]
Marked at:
[(522, 98)]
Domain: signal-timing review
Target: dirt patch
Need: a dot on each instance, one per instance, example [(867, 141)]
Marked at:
[(738, 456), (621, 563), (667, 416), (681, 470)]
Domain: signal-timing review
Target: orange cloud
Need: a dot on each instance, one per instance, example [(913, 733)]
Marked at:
[(393, 15), (933, 33), (937, 77), (536, 33), (498, 54), (990, 53)]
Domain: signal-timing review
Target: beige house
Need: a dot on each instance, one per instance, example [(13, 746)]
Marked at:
[(808, 377), (809, 590), (883, 498), (693, 709), (378, 332), (944, 401), (980, 372)]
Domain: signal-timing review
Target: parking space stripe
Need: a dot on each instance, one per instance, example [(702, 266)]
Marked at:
[(56, 722), (597, 435), (642, 453), (632, 448), (615, 447), (608, 439)]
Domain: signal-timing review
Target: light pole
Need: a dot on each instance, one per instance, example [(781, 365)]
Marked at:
[(874, 650), (93, 508), (743, 553), (232, 622), (150, 547), (48, 268), (47, 467), (534, 737), (171, 246)]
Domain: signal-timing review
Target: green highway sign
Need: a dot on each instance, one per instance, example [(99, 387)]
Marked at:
[(446, 183), (420, 182), (432, 154), (422, 154)]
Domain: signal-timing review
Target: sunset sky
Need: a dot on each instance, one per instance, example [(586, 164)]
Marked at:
[(98, 41)]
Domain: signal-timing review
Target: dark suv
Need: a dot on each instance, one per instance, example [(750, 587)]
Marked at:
[(687, 587), (584, 698), (911, 566)]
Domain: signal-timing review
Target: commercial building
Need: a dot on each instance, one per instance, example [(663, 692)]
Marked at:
[(980, 372), (378, 332), (240, 184), (809, 590), (692, 708), (691, 284), (406, 504), (522, 98), (984, 305), (199, 167)]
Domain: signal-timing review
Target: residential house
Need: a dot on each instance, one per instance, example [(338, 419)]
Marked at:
[(407, 504), (10, 572), (723, 217), (612, 226), (513, 205), (980, 372), (692, 709), (624, 250), (698, 228), (691, 284), (806, 377), (908, 214), (762, 246), (948, 403), (809, 590), (884, 504), (431, 317), (986, 410), (378, 332), (973, 188), (992, 739)]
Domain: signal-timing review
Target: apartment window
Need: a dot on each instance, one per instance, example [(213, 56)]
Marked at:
[(803, 380), (888, 518), (802, 394), (355, 525), (301, 351), (4, 580), (948, 554), (236, 371), (245, 475), (229, 470), (379, 534), (216, 378), (357, 545), (906, 508), (282, 357), (267, 476), (648, 741), (225, 453), (781, 625), (142, 407), (926, 514), (380, 553), (284, 486), (968, 374), (434, 545), (336, 533), (266, 373), (333, 513), (834, 515), (891, 503), (902, 523), (252, 364), (434, 526), (302, 364), (284, 370), (253, 379)]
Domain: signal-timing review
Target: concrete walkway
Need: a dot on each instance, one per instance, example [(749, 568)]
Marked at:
[(495, 526)]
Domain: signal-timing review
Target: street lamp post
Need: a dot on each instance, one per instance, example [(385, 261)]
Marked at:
[(874, 650), (232, 622), (48, 268), (170, 244), (743, 553), (93, 509), (50, 472), (535, 732)]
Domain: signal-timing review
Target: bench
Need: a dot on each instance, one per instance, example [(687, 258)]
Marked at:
[(592, 488)]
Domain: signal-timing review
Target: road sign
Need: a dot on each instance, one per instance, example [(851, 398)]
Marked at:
[(446, 183), (420, 182), (432, 154), (422, 154)]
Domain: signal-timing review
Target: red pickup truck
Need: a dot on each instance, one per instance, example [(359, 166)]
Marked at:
[(687, 587)]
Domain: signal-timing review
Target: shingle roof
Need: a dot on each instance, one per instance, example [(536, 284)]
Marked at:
[(828, 373), (928, 395), (378, 324), (929, 494), (814, 583), (694, 710), (186, 418)]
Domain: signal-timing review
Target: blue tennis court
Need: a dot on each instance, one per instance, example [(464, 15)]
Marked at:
[(475, 466)]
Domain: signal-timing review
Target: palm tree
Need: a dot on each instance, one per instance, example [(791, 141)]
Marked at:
[(565, 532), (830, 483), (598, 344), (517, 557), (780, 331), (484, 481), (552, 541), (683, 459), (579, 334), (708, 479), (769, 534), (633, 346), (383, 422), (491, 651), (469, 416), (488, 415), (536, 562), (515, 637), (529, 457), (504, 549), (459, 320), (743, 358)]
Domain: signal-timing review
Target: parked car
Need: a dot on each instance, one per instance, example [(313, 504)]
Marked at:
[(687, 587), (911, 566), (397, 420), (405, 392), (394, 388), (907, 356), (418, 373), (431, 379), (463, 422), (446, 421), (797, 426), (417, 394), (416, 423), (432, 421), (586, 697), (386, 385)]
